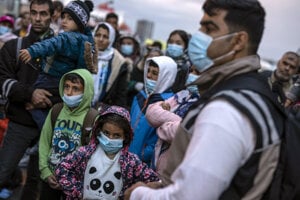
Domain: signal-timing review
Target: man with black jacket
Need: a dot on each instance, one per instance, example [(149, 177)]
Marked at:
[(227, 145), (16, 79)]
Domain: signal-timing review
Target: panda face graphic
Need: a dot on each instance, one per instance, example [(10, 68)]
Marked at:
[(103, 188)]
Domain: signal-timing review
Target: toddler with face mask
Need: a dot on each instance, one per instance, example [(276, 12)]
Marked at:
[(104, 169)]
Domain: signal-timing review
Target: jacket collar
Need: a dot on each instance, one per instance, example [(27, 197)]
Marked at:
[(217, 74)]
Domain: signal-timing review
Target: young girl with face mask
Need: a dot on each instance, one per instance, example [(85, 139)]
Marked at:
[(104, 169)]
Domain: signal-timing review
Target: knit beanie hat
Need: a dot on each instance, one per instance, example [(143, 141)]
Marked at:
[(79, 11)]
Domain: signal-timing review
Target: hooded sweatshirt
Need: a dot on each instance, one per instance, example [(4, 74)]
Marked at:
[(65, 137), (144, 135)]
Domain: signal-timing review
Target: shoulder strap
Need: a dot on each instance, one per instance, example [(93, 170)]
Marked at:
[(19, 45), (55, 112), (87, 126), (88, 121)]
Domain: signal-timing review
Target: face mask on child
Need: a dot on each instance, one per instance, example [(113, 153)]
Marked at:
[(150, 86), (110, 146), (72, 101)]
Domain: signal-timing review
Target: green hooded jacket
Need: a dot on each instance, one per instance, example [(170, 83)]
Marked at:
[(65, 137)]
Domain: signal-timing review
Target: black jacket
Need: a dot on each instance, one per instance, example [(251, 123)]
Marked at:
[(17, 78)]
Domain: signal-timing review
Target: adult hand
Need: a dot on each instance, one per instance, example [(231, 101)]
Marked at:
[(155, 185), (25, 55), (51, 180), (40, 98), (129, 190)]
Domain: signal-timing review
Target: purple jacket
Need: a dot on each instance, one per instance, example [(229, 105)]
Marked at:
[(70, 172)]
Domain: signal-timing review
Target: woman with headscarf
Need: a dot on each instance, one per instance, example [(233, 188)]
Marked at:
[(111, 80)]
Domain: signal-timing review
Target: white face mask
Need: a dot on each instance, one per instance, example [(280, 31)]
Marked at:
[(197, 50)]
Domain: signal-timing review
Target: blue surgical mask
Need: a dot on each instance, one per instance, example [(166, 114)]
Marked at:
[(174, 50), (197, 50), (127, 49), (72, 101), (4, 29), (192, 88), (150, 86), (110, 146)]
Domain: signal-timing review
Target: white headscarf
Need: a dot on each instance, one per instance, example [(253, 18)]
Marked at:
[(167, 72), (111, 37), (103, 60)]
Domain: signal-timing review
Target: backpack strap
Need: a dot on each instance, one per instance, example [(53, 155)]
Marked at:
[(55, 112), (87, 126)]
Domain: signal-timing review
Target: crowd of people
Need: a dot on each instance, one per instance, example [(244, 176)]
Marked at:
[(174, 123)]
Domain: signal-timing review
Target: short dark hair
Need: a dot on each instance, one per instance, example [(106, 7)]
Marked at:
[(74, 78), (40, 2), (117, 120), (242, 15), (183, 34), (112, 15)]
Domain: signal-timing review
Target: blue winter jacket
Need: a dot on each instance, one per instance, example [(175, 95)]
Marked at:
[(67, 49), (145, 136)]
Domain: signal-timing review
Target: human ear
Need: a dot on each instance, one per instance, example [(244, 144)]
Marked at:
[(240, 41)]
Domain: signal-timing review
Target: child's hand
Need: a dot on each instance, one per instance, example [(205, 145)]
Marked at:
[(25, 55), (165, 106)]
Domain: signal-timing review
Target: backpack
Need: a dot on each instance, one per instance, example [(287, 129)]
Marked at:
[(285, 184), (88, 121), (286, 181)]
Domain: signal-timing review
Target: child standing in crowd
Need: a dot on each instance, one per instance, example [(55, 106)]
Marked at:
[(104, 169), (66, 49), (64, 135), (159, 76)]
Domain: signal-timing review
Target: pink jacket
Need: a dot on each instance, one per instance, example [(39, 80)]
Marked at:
[(166, 123)]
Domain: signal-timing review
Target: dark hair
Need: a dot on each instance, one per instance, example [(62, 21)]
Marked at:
[(40, 2), (112, 15), (157, 44), (153, 64), (242, 15), (104, 26), (184, 36), (74, 78), (118, 121), (58, 5)]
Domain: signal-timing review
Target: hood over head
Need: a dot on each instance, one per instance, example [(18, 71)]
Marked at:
[(167, 72), (88, 91)]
